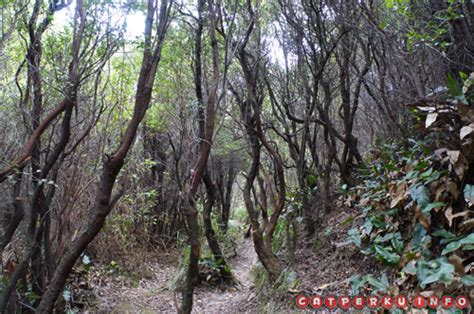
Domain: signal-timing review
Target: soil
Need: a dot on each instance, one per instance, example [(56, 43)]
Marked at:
[(324, 264), (152, 295)]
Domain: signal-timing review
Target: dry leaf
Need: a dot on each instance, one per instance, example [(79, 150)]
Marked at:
[(422, 218), (439, 194), (467, 225), (450, 216), (428, 293), (439, 152), (458, 161), (430, 119), (457, 262), (466, 130), (466, 113), (365, 201), (453, 189), (398, 193)]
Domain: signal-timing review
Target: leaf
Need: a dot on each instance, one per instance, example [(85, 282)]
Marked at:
[(469, 193), (389, 4), (468, 280), (387, 256), (432, 177), (385, 238), (422, 218), (466, 130), (419, 193), (466, 113), (451, 247), (453, 189), (378, 285), (443, 233), (368, 226), (430, 206), (468, 240), (398, 193), (397, 242), (458, 161), (67, 295), (448, 213), (357, 282), (430, 119), (347, 221), (457, 262), (410, 268), (467, 224), (453, 86), (420, 238), (439, 270), (354, 236)]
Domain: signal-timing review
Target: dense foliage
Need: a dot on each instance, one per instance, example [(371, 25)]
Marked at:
[(134, 127)]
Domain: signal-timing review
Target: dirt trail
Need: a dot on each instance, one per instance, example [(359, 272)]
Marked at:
[(232, 300), (151, 297)]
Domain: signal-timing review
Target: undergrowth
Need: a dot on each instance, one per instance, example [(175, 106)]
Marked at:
[(417, 201)]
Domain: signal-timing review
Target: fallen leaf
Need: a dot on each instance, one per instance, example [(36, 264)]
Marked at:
[(450, 216), (466, 130), (459, 162), (439, 194), (466, 113), (456, 261), (467, 225), (364, 201), (430, 119), (422, 218), (398, 193), (453, 189)]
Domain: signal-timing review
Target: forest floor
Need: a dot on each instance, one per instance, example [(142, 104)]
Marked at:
[(324, 264), (151, 295)]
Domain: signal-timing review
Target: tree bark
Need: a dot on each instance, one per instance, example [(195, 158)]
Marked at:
[(104, 201)]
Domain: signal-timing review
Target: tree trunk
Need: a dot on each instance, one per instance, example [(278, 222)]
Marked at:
[(104, 202), (209, 231)]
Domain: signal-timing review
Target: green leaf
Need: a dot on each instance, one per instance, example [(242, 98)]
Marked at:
[(453, 86), (433, 176), (387, 256), (451, 247), (439, 270), (419, 193), (410, 268), (368, 226), (377, 285), (469, 193), (354, 236), (443, 233), (347, 221), (357, 282), (389, 4), (420, 237), (468, 280), (468, 240), (430, 206), (385, 238), (67, 295), (397, 242)]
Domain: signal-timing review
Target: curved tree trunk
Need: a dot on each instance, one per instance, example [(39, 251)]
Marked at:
[(212, 241), (104, 202)]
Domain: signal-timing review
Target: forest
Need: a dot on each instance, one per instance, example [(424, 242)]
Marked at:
[(236, 156)]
